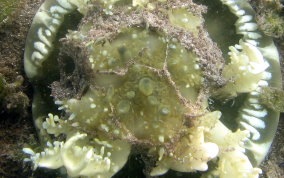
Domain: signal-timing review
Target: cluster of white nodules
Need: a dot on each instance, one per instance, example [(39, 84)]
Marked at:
[(252, 116), (248, 71), (247, 68), (44, 159), (70, 120), (245, 24), (55, 125), (81, 156), (47, 21)]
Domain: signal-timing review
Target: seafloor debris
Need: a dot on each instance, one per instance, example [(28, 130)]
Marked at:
[(270, 17)]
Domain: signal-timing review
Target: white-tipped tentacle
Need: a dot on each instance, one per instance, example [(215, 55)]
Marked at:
[(253, 116), (43, 31)]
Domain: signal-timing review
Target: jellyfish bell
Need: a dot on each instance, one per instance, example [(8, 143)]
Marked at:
[(141, 74)]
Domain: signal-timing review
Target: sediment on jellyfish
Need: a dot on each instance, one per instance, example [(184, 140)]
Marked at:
[(144, 75)]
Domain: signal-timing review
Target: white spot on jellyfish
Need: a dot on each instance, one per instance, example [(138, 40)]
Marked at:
[(253, 100), (48, 144), (91, 60), (256, 106), (61, 108), (44, 17), (172, 46), (65, 4), (229, 2), (258, 89), (240, 13), (116, 132), (41, 47), (28, 151), (161, 139), (71, 117), (105, 127), (254, 121), (243, 67), (252, 42), (42, 37), (57, 16), (252, 130), (58, 9), (37, 57), (267, 76), (161, 153), (196, 66), (185, 20), (134, 36), (47, 32), (253, 35), (254, 113), (56, 21), (258, 148), (107, 161), (239, 47), (93, 106), (235, 8), (263, 83), (255, 93), (248, 27), (51, 28), (104, 53), (58, 102), (75, 124), (245, 18)]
